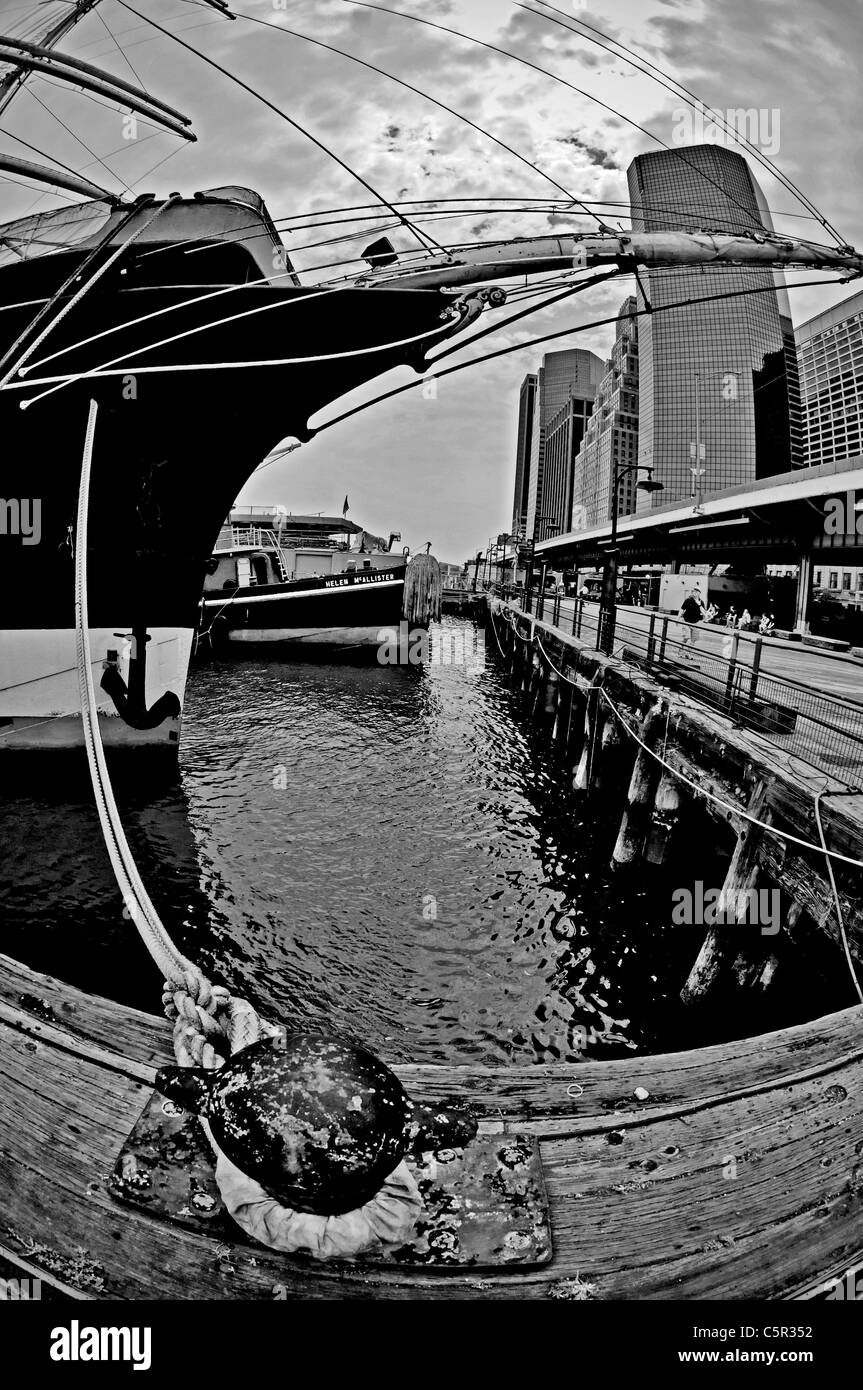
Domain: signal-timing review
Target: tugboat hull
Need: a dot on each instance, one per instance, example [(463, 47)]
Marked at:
[(347, 611)]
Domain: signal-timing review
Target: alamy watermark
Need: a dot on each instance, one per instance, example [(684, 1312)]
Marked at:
[(21, 517), (843, 516), (699, 125), (441, 646), (712, 907), (20, 1290)]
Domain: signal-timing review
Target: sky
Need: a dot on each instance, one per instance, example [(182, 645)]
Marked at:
[(440, 466)]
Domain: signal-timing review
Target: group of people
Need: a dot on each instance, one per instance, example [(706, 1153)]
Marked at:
[(693, 612)]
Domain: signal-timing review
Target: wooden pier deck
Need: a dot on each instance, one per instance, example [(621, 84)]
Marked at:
[(740, 1175)]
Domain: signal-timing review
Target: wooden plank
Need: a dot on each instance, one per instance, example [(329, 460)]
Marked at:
[(651, 1215), (642, 1200)]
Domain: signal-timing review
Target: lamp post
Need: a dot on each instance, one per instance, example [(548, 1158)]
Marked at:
[(729, 391), (608, 597)]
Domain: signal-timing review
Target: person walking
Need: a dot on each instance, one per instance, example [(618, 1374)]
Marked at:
[(692, 612)]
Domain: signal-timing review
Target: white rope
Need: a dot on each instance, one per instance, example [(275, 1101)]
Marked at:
[(85, 289), (157, 313), (130, 369)]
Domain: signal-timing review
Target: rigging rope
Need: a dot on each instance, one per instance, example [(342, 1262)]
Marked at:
[(549, 337), (98, 373), (294, 33), (279, 112), (526, 62), (691, 98), (79, 295)]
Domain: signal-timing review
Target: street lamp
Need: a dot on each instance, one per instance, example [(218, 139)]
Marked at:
[(608, 599), (729, 391)]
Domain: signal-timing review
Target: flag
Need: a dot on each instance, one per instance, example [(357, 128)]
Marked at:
[(345, 508)]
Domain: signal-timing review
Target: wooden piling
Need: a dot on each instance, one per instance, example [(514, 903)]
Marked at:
[(592, 730), (552, 688), (663, 818), (562, 714), (645, 773), (611, 760), (719, 948)]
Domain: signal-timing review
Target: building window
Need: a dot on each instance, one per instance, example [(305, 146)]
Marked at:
[(846, 579), (834, 579), (818, 579)]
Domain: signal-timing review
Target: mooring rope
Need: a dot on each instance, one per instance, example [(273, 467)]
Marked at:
[(200, 1009)]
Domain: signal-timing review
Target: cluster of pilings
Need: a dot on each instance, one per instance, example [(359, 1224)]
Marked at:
[(658, 763)]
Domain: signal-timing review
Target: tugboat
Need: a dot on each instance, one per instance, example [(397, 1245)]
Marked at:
[(286, 582)]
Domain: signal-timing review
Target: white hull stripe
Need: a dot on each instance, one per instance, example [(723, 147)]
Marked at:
[(340, 589)]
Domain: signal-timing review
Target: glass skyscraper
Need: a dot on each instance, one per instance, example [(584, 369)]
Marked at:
[(726, 371), (830, 353)]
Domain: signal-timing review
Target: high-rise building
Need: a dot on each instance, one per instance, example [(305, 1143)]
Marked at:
[(526, 407), (723, 375), (830, 353), (611, 436), (569, 375), (563, 435)]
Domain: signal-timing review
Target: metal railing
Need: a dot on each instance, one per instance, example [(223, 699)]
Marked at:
[(264, 538), (824, 730)]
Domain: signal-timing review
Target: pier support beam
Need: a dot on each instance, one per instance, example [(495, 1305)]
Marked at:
[(633, 826), (721, 947), (663, 819), (592, 732)]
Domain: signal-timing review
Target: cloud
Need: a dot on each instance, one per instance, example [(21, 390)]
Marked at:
[(444, 468)]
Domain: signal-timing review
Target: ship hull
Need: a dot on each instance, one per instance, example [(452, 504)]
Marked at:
[(173, 447)]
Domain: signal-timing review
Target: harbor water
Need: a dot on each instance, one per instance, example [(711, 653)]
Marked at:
[(389, 851)]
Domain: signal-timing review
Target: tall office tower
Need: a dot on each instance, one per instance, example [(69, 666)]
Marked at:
[(563, 435), (572, 374), (720, 375), (611, 438), (526, 407), (830, 352)]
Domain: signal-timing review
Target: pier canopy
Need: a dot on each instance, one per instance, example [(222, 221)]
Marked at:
[(808, 514)]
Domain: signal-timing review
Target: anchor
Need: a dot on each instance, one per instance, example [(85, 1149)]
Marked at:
[(130, 700)]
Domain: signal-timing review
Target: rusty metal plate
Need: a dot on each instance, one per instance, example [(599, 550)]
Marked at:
[(485, 1205), (166, 1168)]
